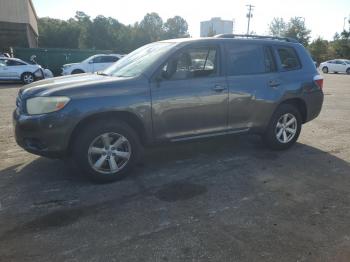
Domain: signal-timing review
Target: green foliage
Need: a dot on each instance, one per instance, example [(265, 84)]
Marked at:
[(320, 50), (176, 27), (295, 28), (277, 27), (108, 33)]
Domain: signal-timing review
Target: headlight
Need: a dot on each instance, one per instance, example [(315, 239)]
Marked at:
[(38, 73), (43, 105)]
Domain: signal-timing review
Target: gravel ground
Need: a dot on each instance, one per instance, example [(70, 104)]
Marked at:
[(226, 199)]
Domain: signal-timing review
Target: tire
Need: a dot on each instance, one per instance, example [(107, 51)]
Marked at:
[(77, 71), (27, 78), (348, 71), (97, 165), (277, 124), (325, 70)]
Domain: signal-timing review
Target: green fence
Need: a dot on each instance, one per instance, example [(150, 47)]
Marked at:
[(54, 58)]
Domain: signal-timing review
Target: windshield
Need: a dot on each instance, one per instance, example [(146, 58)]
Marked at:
[(88, 59), (136, 62)]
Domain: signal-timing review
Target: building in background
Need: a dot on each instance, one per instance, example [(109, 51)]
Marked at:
[(18, 24), (216, 26)]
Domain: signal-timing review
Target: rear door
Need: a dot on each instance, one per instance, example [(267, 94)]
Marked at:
[(10, 69), (251, 70), (189, 94)]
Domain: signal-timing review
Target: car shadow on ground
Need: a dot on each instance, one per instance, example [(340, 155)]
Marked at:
[(171, 162), (234, 178)]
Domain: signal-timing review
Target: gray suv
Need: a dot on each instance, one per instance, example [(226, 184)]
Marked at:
[(173, 90)]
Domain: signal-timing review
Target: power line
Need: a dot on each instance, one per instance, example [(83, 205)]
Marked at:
[(249, 15)]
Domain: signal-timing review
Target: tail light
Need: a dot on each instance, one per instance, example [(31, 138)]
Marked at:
[(318, 79)]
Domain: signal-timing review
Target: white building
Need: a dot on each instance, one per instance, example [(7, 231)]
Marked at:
[(216, 26)]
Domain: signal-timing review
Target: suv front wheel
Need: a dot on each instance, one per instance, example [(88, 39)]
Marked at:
[(284, 127), (107, 150)]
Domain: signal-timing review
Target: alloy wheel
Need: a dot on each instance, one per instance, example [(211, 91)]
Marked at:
[(28, 78), (286, 128), (109, 153)]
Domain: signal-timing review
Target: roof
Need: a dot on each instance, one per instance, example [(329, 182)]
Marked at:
[(261, 39)]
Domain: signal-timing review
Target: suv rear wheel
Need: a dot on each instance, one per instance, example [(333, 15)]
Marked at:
[(107, 150), (284, 127)]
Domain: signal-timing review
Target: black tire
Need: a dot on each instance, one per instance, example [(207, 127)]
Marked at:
[(325, 69), (77, 71), (89, 134), (270, 135), (348, 71), (27, 78)]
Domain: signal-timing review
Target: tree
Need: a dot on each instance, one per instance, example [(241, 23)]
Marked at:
[(341, 44), (58, 33), (277, 27), (108, 33), (320, 50), (152, 26), (176, 27), (296, 29)]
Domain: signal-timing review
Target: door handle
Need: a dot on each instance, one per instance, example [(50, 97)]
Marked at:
[(219, 88), (274, 83)]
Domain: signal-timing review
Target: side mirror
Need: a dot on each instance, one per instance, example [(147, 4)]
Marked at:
[(91, 61)]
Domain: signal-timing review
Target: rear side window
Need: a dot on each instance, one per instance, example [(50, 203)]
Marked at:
[(245, 59), (109, 59), (288, 58)]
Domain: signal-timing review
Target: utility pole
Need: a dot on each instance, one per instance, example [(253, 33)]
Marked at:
[(344, 23), (249, 15)]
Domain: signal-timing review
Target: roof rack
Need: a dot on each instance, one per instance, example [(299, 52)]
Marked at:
[(287, 39)]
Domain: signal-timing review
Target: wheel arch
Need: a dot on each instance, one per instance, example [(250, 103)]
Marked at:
[(82, 71), (300, 104), (26, 72), (127, 117)]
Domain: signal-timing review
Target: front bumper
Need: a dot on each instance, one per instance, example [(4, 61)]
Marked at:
[(44, 135)]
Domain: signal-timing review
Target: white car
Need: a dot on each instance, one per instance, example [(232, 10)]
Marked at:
[(14, 69), (336, 66), (94, 63)]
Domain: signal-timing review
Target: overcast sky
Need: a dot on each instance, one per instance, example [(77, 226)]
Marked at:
[(323, 17)]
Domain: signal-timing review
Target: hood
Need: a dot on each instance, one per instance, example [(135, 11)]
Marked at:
[(69, 65), (67, 84)]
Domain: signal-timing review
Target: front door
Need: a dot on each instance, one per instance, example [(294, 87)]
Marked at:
[(190, 95)]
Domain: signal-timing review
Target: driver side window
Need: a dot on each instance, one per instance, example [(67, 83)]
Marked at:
[(191, 63)]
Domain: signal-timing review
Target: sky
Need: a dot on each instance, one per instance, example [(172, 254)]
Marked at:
[(323, 17)]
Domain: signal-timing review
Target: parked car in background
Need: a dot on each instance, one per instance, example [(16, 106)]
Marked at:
[(94, 63), (171, 91), (13, 69), (336, 66)]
